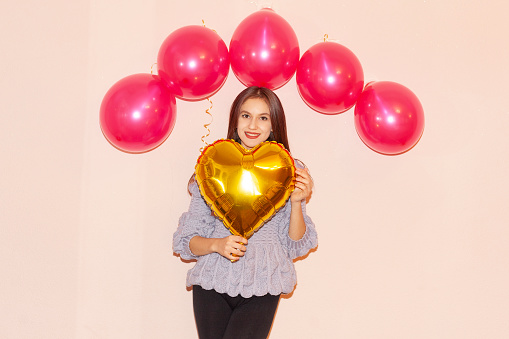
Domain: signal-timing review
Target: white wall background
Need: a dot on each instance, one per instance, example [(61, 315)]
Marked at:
[(411, 246)]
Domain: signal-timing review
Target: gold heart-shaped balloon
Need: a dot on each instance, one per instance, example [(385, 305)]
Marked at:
[(244, 188)]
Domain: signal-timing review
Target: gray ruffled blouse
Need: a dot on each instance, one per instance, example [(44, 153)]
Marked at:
[(267, 266)]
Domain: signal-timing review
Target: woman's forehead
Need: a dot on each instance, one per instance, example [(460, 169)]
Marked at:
[(255, 105)]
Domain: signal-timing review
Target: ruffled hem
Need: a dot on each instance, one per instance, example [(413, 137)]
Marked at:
[(264, 269)]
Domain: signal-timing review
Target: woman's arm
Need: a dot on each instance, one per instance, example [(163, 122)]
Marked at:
[(231, 247), (303, 188)]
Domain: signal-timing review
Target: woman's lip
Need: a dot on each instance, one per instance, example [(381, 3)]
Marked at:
[(252, 135)]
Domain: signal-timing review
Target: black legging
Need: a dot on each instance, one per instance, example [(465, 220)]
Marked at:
[(219, 316)]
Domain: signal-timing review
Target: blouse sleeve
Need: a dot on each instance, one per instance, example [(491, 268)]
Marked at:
[(297, 248), (198, 220)]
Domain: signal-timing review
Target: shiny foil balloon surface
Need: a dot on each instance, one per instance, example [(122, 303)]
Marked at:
[(243, 187)]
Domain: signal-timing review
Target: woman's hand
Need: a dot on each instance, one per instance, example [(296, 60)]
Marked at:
[(231, 247), (303, 185)]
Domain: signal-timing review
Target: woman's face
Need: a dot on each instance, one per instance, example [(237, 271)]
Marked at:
[(254, 123)]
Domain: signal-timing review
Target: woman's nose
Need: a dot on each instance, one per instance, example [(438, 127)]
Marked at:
[(252, 124)]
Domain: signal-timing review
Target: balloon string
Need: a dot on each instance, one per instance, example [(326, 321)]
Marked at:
[(207, 125), (326, 37), (203, 22), (262, 4), (152, 68)]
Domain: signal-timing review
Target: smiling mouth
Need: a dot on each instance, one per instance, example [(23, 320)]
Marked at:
[(252, 135)]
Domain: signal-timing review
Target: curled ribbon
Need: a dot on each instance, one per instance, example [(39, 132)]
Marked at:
[(203, 22), (325, 37), (152, 68), (207, 125)]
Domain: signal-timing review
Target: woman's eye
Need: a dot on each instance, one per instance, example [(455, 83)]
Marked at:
[(245, 115), (264, 118)]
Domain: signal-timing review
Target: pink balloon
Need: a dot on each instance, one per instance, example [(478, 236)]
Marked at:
[(264, 50), (329, 78), (138, 113), (389, 117), (194, 62)]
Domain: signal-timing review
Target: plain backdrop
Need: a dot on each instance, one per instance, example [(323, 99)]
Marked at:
[(410, 246)]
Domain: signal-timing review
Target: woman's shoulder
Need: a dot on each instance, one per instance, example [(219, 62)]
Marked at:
[(192, 185)]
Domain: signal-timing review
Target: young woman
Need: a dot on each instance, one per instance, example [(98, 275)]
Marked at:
[(237, 283)]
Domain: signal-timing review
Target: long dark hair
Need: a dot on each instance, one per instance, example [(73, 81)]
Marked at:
[(277, 114)]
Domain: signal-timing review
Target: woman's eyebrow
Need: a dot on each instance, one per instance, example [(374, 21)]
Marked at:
[(244, 111)]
